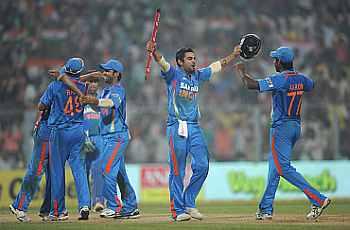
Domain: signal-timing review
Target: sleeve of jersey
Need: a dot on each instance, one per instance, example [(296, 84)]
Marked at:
[(309, 84), (204, 74), (270, 83), (169, 75), (47, 96)]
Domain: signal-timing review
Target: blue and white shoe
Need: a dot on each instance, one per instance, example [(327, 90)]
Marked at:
[(135, 214)]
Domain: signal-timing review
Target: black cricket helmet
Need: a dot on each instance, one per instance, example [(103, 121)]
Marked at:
[(250, 46)]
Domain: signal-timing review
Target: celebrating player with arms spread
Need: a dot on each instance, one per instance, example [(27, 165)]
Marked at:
[(287, 87), (183, 131)]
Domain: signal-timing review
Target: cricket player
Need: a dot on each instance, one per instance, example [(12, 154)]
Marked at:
[(93, 148), (287, 87), (35, 169), (66, 140), (183, 130), (115, 133)]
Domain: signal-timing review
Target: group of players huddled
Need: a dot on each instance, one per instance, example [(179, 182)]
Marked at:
[(91, 134)]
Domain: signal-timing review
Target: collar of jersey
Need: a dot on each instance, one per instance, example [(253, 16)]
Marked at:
[(184, 73)]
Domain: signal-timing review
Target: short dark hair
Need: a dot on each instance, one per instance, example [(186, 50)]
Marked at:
[(180, 54), (287, 65)]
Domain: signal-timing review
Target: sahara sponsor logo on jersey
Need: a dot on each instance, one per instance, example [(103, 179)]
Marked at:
[(187, 91)]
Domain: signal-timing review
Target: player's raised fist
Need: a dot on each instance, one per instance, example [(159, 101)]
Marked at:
[(150, 46)]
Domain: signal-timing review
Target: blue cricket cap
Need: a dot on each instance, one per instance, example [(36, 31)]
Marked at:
[(284, 54), (74, 66), (114, 65)]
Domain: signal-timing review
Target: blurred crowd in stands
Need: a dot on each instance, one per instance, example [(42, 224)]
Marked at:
[(36, 35)]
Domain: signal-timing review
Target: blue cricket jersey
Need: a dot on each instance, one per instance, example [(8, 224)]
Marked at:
[(183, 90), (92, 120), (65, 107), (287, 90), (44, 117), (113, 119)]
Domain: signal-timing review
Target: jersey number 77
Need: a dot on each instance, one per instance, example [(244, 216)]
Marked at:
[(295, 99)]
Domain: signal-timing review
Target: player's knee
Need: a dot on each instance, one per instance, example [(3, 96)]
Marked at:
[(285, 169)]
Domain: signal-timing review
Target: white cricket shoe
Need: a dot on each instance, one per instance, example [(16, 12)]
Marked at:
[(183, 217), (194, 213), (20, 215), (108, 213), (316, 212)]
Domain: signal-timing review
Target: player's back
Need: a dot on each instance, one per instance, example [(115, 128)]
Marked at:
[(66, 109), (288, 96)]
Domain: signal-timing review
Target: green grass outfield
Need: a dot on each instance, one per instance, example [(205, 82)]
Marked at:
[(219, 215)]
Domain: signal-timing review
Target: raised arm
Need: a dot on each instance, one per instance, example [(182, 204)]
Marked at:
[(164, 65), (217, 66), (95, 75), (248, 81), (64, 78)]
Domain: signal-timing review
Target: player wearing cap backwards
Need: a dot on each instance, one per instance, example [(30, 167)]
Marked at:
[(66, 140), (287, 87), (183, 131), (115, 133)]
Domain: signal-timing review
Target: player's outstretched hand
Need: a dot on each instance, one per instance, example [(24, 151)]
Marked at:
[(54, 73), (99, 74), (88, 100), (237, 50)]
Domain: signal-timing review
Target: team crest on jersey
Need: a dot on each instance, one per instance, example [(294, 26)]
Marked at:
[(269, 82)]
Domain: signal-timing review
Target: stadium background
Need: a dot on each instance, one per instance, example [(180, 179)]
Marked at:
[(36, 35)]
